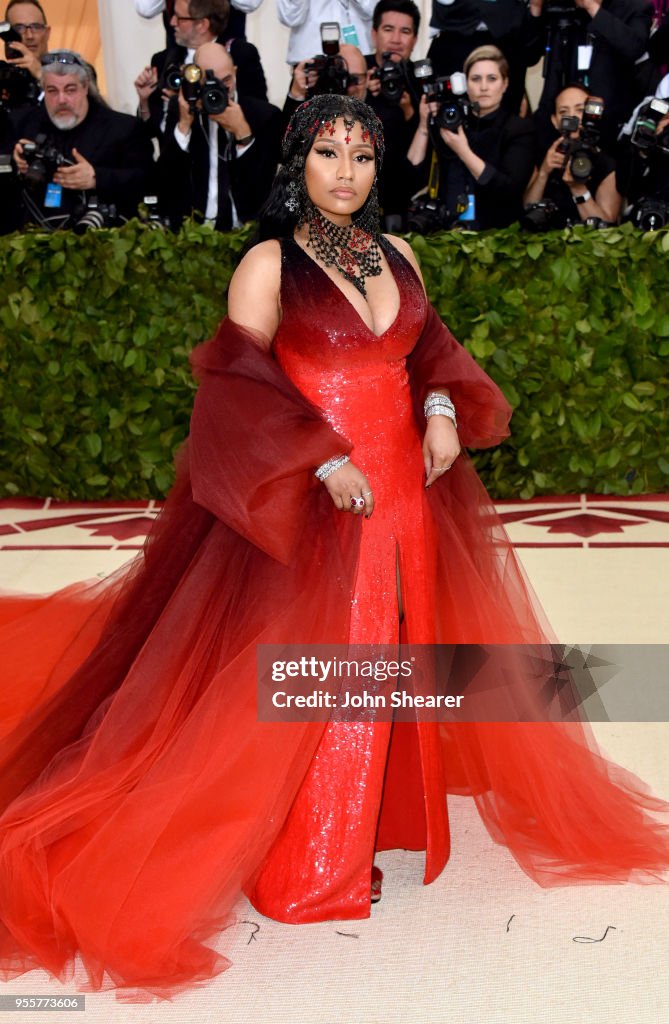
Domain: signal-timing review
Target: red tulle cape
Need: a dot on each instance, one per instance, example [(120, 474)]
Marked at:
[(140, 792)]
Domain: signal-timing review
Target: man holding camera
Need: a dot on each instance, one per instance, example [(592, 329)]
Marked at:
[(394, 96), (555, 196), (25, 34), (218, 158), (195, 23), (72, 147), (28, 21), (351, 70)]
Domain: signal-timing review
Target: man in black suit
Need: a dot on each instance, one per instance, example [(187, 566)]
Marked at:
[(395, 25), (218, 166), (195, 23), (108, 154)]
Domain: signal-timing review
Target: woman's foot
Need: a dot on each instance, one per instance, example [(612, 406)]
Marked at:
[(377, 879)]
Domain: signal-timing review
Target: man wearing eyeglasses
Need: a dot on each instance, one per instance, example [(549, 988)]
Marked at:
[(195, 23), (106, 153), (218, 166), (29, 20)]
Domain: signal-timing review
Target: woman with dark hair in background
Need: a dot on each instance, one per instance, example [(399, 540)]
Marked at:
[(322, 498), (486, 163)]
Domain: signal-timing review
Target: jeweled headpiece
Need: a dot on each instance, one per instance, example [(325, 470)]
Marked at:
[(315, 117)]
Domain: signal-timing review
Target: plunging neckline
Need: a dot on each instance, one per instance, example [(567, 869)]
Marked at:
[(345, 296)]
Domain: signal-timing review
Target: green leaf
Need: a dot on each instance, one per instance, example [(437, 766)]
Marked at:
[(93, 443)]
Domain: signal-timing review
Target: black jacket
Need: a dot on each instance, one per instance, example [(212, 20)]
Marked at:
[(507, 144), (619, 35), (114, 143), (250, 75), (395, 178), (184, 176)]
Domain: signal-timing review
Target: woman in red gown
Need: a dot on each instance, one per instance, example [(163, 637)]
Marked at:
[(141, 793)]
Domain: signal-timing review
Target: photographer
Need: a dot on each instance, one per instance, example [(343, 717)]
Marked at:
[(348, 78), (597, 44), (217, 164), (84, 149), (394, 95), (564, 199), (25, 43), (485, 158), (642, 174), (195, 23)]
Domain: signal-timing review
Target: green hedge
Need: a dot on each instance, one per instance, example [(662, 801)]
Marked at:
[(95, 388)]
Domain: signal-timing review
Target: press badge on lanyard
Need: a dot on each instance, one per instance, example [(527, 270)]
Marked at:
[(349, 33), (54, 196)]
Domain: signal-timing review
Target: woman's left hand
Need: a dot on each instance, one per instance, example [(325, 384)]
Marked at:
[(457, 141), (441, 447)]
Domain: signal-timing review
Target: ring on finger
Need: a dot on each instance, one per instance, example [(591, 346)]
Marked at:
[(357, 503)]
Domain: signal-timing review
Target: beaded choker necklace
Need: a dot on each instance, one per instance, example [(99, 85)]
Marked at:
[(352, 251)]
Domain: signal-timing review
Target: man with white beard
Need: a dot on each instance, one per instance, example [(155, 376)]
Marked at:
[(90, 149)]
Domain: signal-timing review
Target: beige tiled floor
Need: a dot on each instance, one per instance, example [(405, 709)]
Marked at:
[(482, 944)]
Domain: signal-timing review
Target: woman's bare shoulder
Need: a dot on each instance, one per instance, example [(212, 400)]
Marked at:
[(263, 258), (254, 293), (403, 246)]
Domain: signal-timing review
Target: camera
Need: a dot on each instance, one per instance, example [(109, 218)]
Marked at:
[(541, 216), (650, 214), (455, 107), (328, 71), (331, 75), (43, 160), (17, 87), (392, 76), (449, 91), (644, 134), (149, 214), (580, 153), (172, 77), (96, 215), (427, 215), (9, 35), (202, 85)]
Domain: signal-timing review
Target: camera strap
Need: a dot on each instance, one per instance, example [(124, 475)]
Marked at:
[(433, 177)]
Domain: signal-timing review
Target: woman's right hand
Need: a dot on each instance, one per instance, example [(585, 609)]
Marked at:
[(554, 160), (349, 482)]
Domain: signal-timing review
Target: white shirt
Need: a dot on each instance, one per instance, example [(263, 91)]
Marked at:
[(662, 91), (211, 211), (150, 8), (304, 17)]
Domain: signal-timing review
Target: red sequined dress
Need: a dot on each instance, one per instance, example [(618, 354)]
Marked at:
[(141, 795)]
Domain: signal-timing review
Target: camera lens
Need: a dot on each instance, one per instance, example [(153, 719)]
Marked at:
[(581, 166)]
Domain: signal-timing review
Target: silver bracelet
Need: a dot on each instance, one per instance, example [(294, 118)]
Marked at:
[(439, 405), (331, 466)]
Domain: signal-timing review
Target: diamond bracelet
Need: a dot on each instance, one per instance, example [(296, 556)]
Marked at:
[(331, 466)]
